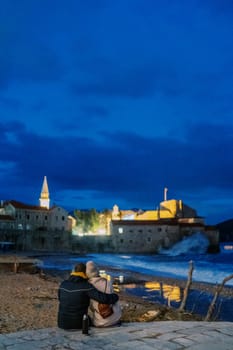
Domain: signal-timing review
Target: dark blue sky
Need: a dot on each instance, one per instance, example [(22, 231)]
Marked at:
[(115, 100)]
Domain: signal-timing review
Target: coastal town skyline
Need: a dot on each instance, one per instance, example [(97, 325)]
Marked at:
[(45, 201), (114, 101)]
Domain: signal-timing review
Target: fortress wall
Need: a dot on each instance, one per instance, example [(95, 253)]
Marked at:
[(26, 240), (126, 237), (143, 238)]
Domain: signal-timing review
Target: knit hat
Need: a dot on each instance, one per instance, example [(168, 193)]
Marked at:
[(80, 267), (91, 269)]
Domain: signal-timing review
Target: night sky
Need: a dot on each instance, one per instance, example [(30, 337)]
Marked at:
[(115, 100)]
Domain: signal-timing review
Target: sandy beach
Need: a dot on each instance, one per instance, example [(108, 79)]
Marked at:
[(29, 301)]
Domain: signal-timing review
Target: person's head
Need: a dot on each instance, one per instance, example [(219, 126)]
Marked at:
[(91, 269), (80, 267)]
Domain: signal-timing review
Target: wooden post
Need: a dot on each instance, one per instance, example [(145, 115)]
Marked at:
[(16, 265), (218, 291), (186, 290)]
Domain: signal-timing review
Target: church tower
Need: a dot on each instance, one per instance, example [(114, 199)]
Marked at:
[(44, 196)]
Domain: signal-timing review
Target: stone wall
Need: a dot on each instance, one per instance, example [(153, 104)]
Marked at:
[(37, 240), (143, 237), (126, 237), (98, 244), (148, 237)]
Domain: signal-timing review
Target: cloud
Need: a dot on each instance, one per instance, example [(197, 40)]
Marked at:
[(131, 167), (108, 74), (10, 103), (177, 50), (224, 6), (95, 111), (25, 55), (132, 81)]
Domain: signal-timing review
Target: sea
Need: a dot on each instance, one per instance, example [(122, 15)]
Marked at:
[(175, 263)]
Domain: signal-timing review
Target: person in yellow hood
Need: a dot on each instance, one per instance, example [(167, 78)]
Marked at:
[(74, 296)]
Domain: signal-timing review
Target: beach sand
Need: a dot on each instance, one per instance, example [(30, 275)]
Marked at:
[(28, 300)]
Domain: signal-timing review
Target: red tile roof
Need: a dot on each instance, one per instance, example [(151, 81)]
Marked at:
[(20, 205)]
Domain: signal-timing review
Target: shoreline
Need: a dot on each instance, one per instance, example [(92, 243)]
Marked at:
[(28, 299), (26, 262), (227, 291)]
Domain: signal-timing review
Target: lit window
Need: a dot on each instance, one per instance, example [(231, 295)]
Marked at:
[(120, 230)]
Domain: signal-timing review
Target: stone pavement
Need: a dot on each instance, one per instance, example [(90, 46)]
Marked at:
[(166, 335)]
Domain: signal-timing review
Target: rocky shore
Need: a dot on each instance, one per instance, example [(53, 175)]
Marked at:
[(29, 301)]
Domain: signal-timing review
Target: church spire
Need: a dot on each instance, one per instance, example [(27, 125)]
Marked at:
[(44, 196)]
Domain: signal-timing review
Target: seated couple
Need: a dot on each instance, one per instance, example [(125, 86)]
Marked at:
[(80, 295)]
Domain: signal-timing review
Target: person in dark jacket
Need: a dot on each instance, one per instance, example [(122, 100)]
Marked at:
[(74, 295)]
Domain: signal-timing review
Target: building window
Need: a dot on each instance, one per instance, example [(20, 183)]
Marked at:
[(63, 218), (28, 216), (121, 240), (130, 241), (37, 217), (149, 239), (46, 217), (149, 231), (139, 230), (120, 230), (159, 229), (131, 231)]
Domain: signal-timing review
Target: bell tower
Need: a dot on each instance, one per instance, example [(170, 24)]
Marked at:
[(44, 196)]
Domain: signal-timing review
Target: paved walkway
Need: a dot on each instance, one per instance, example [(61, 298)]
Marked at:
[(167, 335)]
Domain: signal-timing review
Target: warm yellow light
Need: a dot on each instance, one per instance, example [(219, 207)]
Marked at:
[(172, 293)]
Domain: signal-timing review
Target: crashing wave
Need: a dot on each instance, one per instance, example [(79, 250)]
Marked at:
[(195, 244)]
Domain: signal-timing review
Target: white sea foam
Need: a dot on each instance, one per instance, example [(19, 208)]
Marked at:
[(195, 244), (211, 268)]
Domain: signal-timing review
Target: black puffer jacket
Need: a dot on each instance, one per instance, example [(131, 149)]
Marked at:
[(74, 295)]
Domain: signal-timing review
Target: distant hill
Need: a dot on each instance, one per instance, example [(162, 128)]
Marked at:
[(225, 230)]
